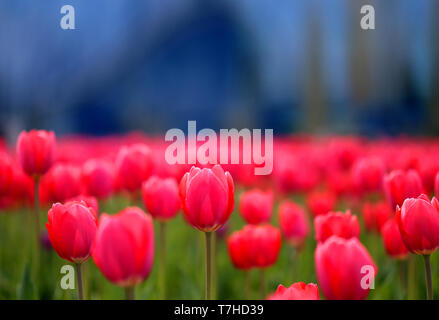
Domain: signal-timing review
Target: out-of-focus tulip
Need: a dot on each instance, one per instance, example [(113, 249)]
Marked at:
[(293, 223), (321, 202), (98, 178), (392, 240), (62, 182), (133, 166), (256, 206), (207, 197), (238, 248), (161, 198), (368, 174), (436, 184), (375, 215), (344, 269), (36, 151), (400, 185), (418, 222), (297, 291), (6, 173), (264, 244), (72, 230), (336, 224), (124, 246), (90, 201)]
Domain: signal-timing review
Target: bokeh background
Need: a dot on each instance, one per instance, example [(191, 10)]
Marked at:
[(290, 65)]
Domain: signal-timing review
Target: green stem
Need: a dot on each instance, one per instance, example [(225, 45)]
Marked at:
[(129, 293), (402, 275), (293, 263), (79, 281), (208, 265), (428, 281), (162, 230), (215, 266), (411, 277), (263, 284), (247, 284)]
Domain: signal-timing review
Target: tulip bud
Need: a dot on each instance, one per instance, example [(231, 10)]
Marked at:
[(238, 248), (392, 240), (98, 178), (375, 215), (368, 174), (320, 202), (72, 229), (36, 151), (256, 206), (264, 243), (207, 197), (293, 223), (6, 173), (336, 224), (62, 182), (124, 246), (161, 197), (399, 186), (297, 291)]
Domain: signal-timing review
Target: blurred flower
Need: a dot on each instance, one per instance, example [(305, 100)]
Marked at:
[(256, 206), (207, 197), (61, 182), (72, 229), (293, 223), (124, 246), (297, 291), (392, 240), (133, 166), (368, 174), (375, 215), (98, 178), (264, 243), (320, 202), (36, 151), (161, 198), (418, 222), (436, 184), (6, 173), (336, 224), (238, 248), (400, 185), (339, 266)]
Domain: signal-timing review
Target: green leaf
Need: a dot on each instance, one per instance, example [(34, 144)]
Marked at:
[(26, 288)]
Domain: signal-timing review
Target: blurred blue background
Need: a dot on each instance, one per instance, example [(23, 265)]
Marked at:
[(152, 65)]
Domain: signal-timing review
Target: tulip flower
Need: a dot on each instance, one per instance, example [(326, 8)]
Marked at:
[(368, 174), (133, 166), (256, 206), (72, 229), (61, 182), (98, 178), (392, 240), (400, 185), (293, 223), (207, 197), (36, 153), (436, 184), (297, 291), (320, 202), (375, 215), (345, 270), (161, 199), (90, 201), (124, 247), (338, 224), (6, 173), (418, 222)]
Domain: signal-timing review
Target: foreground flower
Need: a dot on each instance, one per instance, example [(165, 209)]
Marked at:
[(90, 201), (400, 185), (344, 225), (293, 223), (297, 291), (392, 240), (124, 247), (343, 268), (208, 199), (256, 206), (418, 222), (36, 151), (72, 229)]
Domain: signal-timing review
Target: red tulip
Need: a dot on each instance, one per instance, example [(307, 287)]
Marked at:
[(336, 224), (392, 240), (90, 201), (293, 223), (418, 222), (436, 184), (36, 151), (72, 230), (321, 202), (133, 166), (6, 173), (256, 206), (98, 178), (124, 246), (375, 215), (341, 266), (368, 174), (297, 291), (264, 243), (238, 248), (207, 197), (400, 185), (62, 182), (161, 198)]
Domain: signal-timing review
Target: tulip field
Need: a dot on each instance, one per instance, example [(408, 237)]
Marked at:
[(338, 218)]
